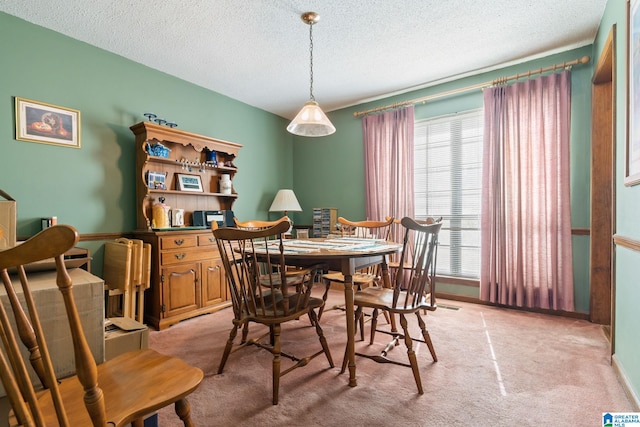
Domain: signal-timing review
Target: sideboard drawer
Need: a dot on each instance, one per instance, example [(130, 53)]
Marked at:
[(178, 256), (206, 240), (178, 242)]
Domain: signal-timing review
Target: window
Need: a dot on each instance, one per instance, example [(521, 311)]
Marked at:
[(448, 182)]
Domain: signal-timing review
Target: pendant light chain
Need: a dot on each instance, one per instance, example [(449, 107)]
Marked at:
[(311, 62)]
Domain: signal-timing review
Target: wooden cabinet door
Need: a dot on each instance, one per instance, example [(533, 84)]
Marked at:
[(214, 282), (180, 289)]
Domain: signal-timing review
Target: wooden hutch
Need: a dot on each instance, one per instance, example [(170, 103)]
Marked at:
[(187, 275)]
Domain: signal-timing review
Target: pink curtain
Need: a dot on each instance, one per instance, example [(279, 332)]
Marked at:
[(526, 256), (388, 164)]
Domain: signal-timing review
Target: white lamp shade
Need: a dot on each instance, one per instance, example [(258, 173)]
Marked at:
[(285, 201), (311, 121)]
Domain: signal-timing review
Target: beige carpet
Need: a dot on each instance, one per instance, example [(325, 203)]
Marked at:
[(496, 367)]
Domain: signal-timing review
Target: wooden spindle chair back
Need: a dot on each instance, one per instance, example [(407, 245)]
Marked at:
[(419, 254)]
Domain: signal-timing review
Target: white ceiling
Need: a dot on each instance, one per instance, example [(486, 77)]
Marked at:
[(257, 51)]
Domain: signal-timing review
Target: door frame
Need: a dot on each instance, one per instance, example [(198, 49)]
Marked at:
[(603, 184)]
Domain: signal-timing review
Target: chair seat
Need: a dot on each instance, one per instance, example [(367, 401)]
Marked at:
[(125, 400), (382, 298), (357, 279)]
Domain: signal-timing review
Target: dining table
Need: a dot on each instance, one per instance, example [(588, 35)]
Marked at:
[(346, 255)]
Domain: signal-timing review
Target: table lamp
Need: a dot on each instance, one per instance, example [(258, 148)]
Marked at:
[(285, 201)]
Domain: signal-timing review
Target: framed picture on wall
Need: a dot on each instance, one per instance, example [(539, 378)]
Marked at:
[(47, 124), (632, 160), (186, 182)]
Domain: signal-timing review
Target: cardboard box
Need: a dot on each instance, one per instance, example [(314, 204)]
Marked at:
[(123, 334), (7, 221), (88, 291)]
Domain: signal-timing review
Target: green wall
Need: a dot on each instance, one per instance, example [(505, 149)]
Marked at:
[(93, 188), (337, 166), (627, 286)]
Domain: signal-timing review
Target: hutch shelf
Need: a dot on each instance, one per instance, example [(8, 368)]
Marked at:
[(187, 276)]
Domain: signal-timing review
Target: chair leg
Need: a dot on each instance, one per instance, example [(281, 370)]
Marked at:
[(276, 361), (386, 316), (394, 327), (324, 297), (323, 340), (245, 333), (311, 319), (374, 325), (272, 336), (227, 348), (183, 409), (411, 354), (427, 337)]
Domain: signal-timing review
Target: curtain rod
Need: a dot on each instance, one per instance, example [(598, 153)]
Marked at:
[(500, 80)]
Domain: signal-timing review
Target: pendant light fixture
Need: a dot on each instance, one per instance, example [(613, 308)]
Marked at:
[(311, 120)]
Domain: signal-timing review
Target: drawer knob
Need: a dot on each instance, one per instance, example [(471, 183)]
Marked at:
[(212, 239), (180, 256), (178, 241)]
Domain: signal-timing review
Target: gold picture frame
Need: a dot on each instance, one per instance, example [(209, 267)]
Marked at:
[(47, 123), (632, 155)]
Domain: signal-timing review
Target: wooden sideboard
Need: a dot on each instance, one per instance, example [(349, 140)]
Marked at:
[(187, 275)]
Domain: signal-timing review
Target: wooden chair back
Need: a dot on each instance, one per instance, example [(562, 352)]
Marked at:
[(117, 392), (53, 242), (246, 254), (397, 234), (366, 229), (419, 254), (397, 231), (255, 224)]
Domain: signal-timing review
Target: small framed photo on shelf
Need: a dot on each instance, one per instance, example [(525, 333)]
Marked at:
[(186, 182), (157, 180)]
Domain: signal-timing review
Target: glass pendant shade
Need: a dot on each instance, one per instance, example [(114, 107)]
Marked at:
[(311, 121)]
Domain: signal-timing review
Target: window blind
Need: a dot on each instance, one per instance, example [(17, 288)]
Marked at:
[(447, 184)]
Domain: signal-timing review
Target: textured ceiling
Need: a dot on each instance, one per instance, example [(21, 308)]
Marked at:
[(257, 51)]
